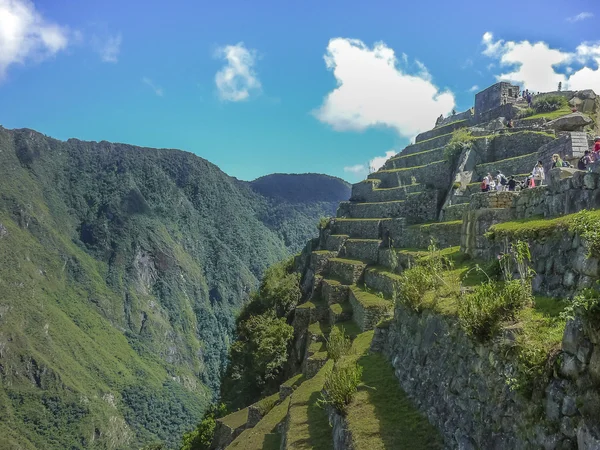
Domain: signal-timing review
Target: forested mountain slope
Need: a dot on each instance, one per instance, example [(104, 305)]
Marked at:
[(121, 269)]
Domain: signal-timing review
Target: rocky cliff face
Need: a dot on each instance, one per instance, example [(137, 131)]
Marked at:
[(120, 271)]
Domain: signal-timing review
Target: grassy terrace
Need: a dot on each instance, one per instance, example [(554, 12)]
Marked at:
[(528, 155), (362, 220), (550, 115), (315, 303), (404, 169), (397, 187), (264, 435), (308, 424), (381, 416), (323, 329), (368, 300), (236, 419), (379, 203), (363, 240), (435, 225), (401, 156), (340, 308), (354, 262), (535, 227)]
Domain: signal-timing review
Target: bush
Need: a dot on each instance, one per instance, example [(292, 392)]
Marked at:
[(338, 344), (202, 436), (527, 112), (549, 103), (415, 282), (482, 311), (341, 384), (461, 139), (587, 225)]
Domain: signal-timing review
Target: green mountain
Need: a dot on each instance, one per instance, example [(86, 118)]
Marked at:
[(121, 271)]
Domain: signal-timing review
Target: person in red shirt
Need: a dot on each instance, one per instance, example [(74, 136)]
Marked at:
[(597, 144)]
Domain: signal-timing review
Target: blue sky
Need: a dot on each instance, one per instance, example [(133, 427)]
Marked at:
[(246, 86)]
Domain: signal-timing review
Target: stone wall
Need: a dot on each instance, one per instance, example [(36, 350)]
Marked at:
[(462, 386), (367, 318), (446, 234), (493, 97), (509, 145), (444, 129), (465, 115)]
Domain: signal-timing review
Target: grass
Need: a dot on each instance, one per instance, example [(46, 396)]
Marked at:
[(550, 115), (308, 425), (401, 156), (504, 160), (338, 308), (427, 226), (236, 419), (315, 303), (379, 203), (349, 327), (363, 220), (380, 416), (536, 227), (368, 300), (264, 435), (354, 262), (266, 404), (295, 381), (411, 168), (364, 240), (323, 252)]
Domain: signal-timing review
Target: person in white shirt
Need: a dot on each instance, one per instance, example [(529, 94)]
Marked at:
[(538, 174)]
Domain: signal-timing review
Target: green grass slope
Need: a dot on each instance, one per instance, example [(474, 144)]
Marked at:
[(121, 269)]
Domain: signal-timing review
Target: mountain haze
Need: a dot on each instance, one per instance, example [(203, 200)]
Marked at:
[(121, 270)]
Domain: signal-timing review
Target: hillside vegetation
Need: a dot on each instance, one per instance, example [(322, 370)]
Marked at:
[(121, 270)]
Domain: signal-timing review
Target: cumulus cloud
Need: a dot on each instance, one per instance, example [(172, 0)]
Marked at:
[(108, 47), (157, 89), (580, 16), (539, 67), (237, 79), (27, 36), (362, 170), (376, 89)]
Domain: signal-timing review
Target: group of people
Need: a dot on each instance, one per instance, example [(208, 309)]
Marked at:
[(537, 176)]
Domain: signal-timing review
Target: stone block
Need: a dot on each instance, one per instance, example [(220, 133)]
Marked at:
[(590, 180)]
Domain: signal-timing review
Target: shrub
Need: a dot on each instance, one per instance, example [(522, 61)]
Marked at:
[(338, 344), (202, 436), (415, 282), (549, 103), (527, 112), (341, 384), (461, 139), (587, 225), (482, 311), (586, 304)]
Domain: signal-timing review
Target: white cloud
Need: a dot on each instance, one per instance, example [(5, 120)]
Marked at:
[(362, 170), (356, 169), (109, 47), (580, 16), (237, 79), (537, 66), (27, 36), (374, 91), (474, 88), (376, 163), (157, 89)]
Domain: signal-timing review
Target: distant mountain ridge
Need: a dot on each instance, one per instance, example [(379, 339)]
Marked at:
[(121, 269)]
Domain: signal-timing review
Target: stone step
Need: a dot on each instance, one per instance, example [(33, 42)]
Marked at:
[(368, 309), (359, 228), (370, 192), (319, 258), (333, 291), (362, 249), (415, 159), (441, 130), (371, 210), (339, 312), (510, 166), (455, 211), (347, 271), (435, 174), (428, 144), (381, 279), (334, 242)]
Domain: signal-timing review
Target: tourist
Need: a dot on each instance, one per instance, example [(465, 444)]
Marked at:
[(501, 181), (584, 161), (485, 184), (512, 183), (537, 174), (597, 145), (510, 124), (556, 161)]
